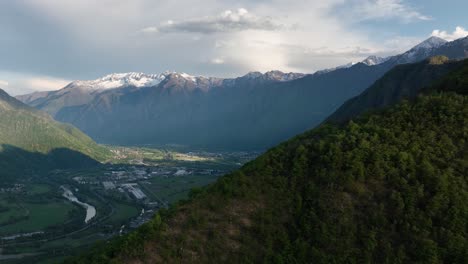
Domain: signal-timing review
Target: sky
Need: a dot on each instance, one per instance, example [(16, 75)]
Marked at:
[(45, 44)]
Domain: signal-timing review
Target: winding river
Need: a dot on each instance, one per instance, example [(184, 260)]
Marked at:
[(90, 210)]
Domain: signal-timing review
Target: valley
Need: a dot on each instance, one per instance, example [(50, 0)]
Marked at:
[(49, 216), (280, 132)]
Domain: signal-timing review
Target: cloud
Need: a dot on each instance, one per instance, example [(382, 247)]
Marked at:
[(94, 38), (459, 32), (46, 84), (227, 21), (366, 10), (217, 61), (18, 83)]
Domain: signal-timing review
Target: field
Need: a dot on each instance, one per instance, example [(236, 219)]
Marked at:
[(39, 217), (123, 212), (32, 207)]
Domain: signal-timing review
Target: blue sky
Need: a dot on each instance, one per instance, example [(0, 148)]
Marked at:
[(44, 44)]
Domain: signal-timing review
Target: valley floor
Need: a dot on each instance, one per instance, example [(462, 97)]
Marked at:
[(47, 217)]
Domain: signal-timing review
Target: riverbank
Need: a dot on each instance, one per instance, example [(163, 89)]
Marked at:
[(90, 210)]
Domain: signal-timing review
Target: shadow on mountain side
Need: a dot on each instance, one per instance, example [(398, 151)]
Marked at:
[(14, 161)]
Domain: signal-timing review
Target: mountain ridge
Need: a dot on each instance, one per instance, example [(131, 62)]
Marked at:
[(29, 136), (404, 81)]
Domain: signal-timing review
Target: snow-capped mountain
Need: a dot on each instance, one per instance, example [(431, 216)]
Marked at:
[(84, 91), (374, 60), (420, 51), (344, 66), (274, 76), (417, 53), (134, 79), (430, 43)]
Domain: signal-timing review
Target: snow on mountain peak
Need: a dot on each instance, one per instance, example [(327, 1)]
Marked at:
[(422, 50), (374, 60), (430, 43), (344, 66), (116, 80), (274, 75), (136, 79)]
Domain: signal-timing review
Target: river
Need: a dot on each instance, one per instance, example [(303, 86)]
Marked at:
[(90, 210)]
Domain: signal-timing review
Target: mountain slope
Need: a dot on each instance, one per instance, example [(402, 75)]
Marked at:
[(389, 188), (402, 82), (28, 136)]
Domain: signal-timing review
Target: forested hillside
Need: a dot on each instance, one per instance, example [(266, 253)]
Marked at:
[(28, 136), (387, 188)]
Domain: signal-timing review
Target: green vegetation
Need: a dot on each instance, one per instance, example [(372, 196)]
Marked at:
[(28, 136), (36, 189), (387, 188), (123, 212), (37, 217), (33, 207), (404, 82), (10, 213)]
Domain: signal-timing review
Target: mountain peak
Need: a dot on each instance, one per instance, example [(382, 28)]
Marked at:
[(182, 75), (374, 60), (431, 43), (116, 80), (421, 51), (136, 79), (274, 75)]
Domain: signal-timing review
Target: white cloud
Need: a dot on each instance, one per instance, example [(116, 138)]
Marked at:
[(364, 10), (227, 21), (150, 30), (459, 32), (19, 83), (45, 83), (217, 61)]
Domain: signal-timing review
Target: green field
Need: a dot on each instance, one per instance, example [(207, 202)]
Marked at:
[(122, 213), (10, 211), (39, 217), (37, 189)]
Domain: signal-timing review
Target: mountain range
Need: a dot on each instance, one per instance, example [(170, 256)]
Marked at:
[(254, 111), (388, 187)]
